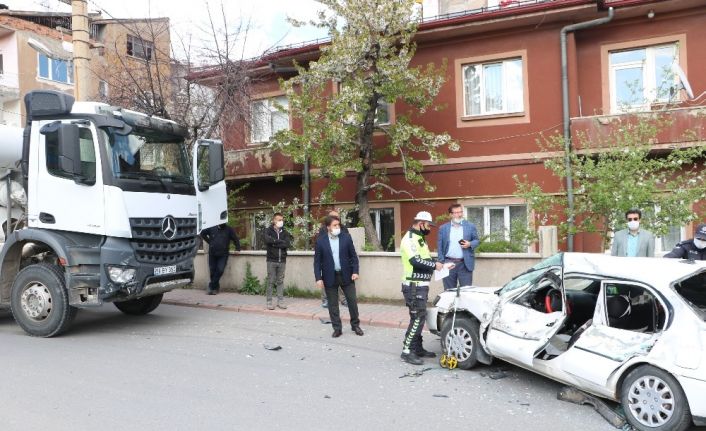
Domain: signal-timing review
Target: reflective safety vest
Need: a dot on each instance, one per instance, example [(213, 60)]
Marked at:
[(416, 258)]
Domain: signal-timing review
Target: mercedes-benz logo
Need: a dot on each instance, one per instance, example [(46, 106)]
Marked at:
[(169, 227)]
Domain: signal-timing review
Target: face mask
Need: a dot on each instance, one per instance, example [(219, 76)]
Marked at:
[(458, 220), (279, 224), (700, 243), (424, 230), (633, 224), (335, 231)]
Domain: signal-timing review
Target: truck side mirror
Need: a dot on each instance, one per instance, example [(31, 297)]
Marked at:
[(216, 171), (69, 149)]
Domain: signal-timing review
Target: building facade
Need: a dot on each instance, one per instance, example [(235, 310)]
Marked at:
[(502, 93), (36, 53)]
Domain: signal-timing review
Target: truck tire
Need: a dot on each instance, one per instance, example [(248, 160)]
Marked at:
[(653, 400), (40, 302), (140, 306), (463, 339)]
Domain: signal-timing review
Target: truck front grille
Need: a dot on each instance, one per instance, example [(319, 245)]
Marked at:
[(151, 245)]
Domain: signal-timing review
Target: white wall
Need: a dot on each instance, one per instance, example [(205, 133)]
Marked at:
[(380, 272)]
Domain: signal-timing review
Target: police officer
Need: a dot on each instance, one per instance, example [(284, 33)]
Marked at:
[(418, 269), (691, 249)]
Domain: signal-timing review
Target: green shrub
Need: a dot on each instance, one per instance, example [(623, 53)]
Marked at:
[(251, 284), (499, 246)]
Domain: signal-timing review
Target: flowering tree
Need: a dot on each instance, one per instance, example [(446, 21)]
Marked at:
[(620, 171), (341, 100)]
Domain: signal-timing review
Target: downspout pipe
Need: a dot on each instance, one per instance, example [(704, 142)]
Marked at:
[(307, 192), (566, 120)]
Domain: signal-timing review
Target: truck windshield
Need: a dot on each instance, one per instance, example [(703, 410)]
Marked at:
[(147, 154)]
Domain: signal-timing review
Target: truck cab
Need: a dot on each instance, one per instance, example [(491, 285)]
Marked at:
[(115, 203)]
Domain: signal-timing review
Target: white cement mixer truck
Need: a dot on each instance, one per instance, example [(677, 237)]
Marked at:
[(99, 204)]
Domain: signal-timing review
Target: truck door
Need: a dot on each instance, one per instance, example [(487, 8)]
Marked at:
[(209, 179), (65, 200)]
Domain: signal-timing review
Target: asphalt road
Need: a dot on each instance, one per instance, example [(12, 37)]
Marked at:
[(193, 369)]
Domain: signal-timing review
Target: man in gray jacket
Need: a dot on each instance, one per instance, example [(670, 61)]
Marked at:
[(633, 241)]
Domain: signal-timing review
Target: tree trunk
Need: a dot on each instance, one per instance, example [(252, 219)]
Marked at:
[(363, 177)]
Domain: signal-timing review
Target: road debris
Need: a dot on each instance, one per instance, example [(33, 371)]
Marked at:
[(272, 347), (440, 396), (328, 397), (496, 374), (416, 373), (324, 321), (573, 395)]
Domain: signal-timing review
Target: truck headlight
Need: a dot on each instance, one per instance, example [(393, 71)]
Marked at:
[(121, 274)]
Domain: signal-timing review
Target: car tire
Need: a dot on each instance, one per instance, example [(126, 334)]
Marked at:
[(464, 340), (39, 300), (644, 411), (140, 306)]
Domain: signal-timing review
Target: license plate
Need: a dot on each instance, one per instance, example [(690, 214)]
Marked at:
[(163, 270)]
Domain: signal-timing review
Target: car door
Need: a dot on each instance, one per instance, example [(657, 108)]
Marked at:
[(209, 179), (604, 344), (518, 332)]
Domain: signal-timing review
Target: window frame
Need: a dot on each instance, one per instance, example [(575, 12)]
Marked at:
[(269, 108), (649, 71), (57, 171), (50, 69), (507, 219), (147, 48), (484, 111)]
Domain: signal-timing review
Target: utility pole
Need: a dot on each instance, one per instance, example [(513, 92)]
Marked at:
[(81, 46)]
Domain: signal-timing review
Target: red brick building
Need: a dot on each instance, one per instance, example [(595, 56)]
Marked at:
[(503, 89)]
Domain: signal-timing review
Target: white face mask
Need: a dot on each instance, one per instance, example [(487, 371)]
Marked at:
[(279, 224), (457, 220), (700, 243), (634, 224), (336, 231)]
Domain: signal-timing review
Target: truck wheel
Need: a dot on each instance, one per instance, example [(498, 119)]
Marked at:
[(463, 340), (140, 306), (40, 301), (654, 401)]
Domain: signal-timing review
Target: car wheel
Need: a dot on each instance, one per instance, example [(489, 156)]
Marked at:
[(140, 306), (653, 400), (40, 302), (462, 340)]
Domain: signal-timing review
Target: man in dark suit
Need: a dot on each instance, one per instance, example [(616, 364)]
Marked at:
[(456, 244), (336, 265), (323, 231), (218, 239)]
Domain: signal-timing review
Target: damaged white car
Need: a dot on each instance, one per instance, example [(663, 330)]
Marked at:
[(628, 329)]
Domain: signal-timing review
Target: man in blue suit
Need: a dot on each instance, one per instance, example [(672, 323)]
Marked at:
[(456, 244), (336, 265)]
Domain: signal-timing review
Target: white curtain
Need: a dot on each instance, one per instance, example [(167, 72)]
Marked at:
[(493, 85), (471, 84), (514, 86)]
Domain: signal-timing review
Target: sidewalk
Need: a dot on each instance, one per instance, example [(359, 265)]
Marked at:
[(390, 316)]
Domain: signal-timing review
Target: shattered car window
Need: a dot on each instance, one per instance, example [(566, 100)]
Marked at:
[(693, 290), (531, 274)]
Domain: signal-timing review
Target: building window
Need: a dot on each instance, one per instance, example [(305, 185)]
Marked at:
[(642, 76), (493, 88), (55, 70), (498, 222), (269, 116), (139, 48), (103, 89), (384, 221), (382, 113)]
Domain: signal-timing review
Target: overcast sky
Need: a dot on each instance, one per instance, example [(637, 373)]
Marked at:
[(267, 17)]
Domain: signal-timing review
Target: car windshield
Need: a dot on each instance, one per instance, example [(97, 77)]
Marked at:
[(147, 154), (693, 290), (531, 274)]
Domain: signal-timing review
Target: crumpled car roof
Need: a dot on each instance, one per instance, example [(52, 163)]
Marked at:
[(657, 272)]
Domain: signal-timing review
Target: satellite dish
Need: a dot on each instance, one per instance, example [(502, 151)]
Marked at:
[(676, 69)]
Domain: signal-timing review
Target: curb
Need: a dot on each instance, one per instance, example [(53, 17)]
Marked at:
[(280, 313)]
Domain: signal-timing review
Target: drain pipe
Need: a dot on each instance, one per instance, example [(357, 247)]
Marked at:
[(566, 121), (307, 195)]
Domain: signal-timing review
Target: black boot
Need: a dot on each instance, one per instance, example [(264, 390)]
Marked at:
[(411, 358)]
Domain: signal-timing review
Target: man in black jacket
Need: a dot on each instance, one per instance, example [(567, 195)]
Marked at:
[(691, 249), (277, 240), (218, 239)]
